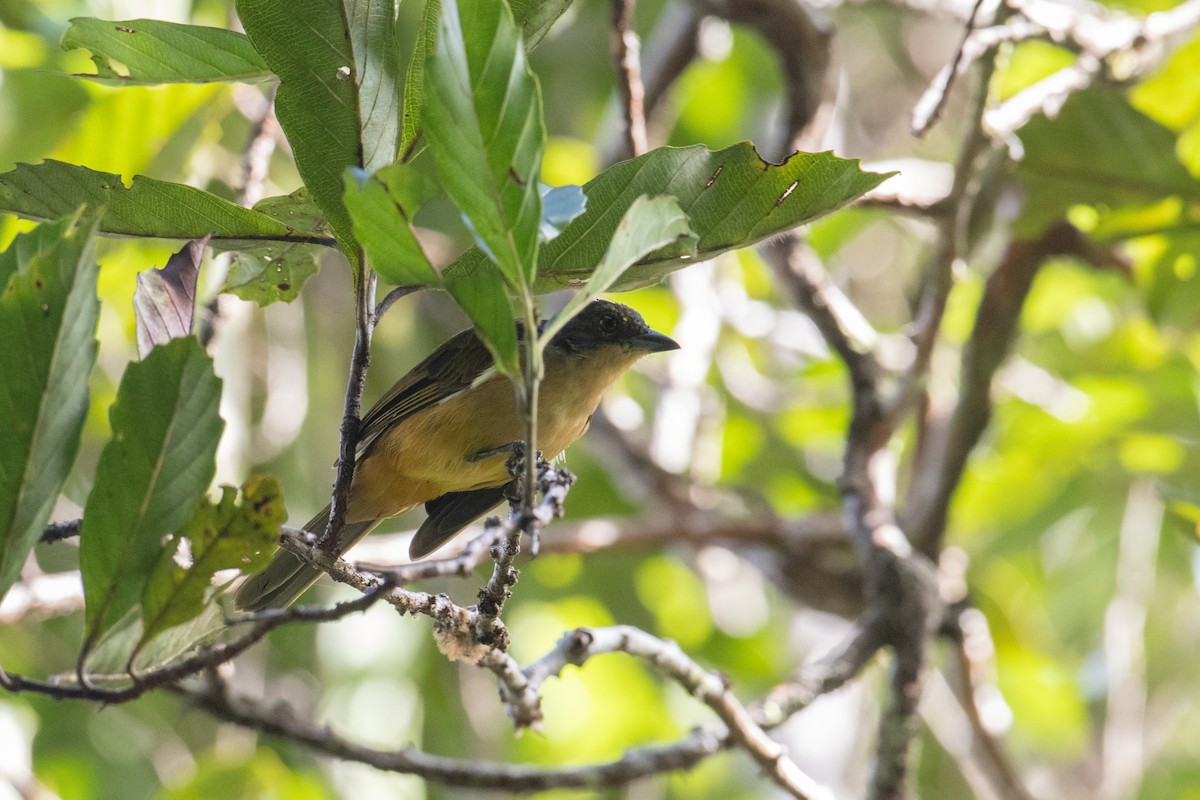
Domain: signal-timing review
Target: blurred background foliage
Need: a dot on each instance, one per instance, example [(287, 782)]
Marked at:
[(1081, 504)]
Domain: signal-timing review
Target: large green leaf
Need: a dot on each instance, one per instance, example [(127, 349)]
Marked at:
[(533, 17), (650, 224), (484, 125), (732, 198), (377, 71), (150, 51), (147, 207), (236, 532), (1101, 151), (338, 98), (48, 313), (382, 208), (481, 292), (151, 475)]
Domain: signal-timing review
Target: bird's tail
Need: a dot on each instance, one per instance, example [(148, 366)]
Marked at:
[(288, 576)]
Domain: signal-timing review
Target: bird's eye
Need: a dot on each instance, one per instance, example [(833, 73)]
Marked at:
[(608, 323)]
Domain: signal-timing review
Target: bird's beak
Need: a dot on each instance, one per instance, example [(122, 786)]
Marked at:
[(653, 342)]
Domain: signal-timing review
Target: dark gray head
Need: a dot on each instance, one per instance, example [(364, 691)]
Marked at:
[(603, 323)]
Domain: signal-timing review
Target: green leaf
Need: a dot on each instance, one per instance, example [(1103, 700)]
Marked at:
[(152, 52), (147, 207), (233, 533), (377, 69), (338, 98), (535, 17), (484, 125), (1101, 151), (48, 314), (650, 224), (480, 290), (732, 197), (151, 475), (414, 79), (271, 272), (296, 210), (164, 301), (382, 214)]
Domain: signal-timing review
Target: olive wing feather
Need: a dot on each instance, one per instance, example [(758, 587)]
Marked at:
[(450, 369)]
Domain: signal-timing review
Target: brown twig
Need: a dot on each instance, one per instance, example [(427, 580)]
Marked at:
[(390, 299), (360, 359), (626, 50), (803, 48), (928, 109), (973, 657)]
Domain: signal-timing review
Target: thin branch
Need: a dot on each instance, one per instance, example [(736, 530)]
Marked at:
[(364, 315), (710, 688), (928, 109), (204, 659), (472, 773), (626, 49), (974, 654), (951, 244), (803, 46), (553, 485), (390, 299)]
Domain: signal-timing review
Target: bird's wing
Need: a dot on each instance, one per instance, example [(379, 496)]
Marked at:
[(449, 514), (452, 368)]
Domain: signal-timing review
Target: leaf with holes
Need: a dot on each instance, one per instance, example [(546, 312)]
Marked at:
[(236, 532), (147, 207), (732, 198)]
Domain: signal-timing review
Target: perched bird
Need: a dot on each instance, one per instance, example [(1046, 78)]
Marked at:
[(438, 436)]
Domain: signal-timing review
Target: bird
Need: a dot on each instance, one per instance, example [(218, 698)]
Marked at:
[(441, 435)]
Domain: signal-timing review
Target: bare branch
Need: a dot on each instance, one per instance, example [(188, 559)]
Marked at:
[(472, 773), (928, 109), (553, 485), (802, 46), (626, 49), (203, 659), (390, 299), (360, 359)]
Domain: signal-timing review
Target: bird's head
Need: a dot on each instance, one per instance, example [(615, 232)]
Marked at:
[(602, 325)]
